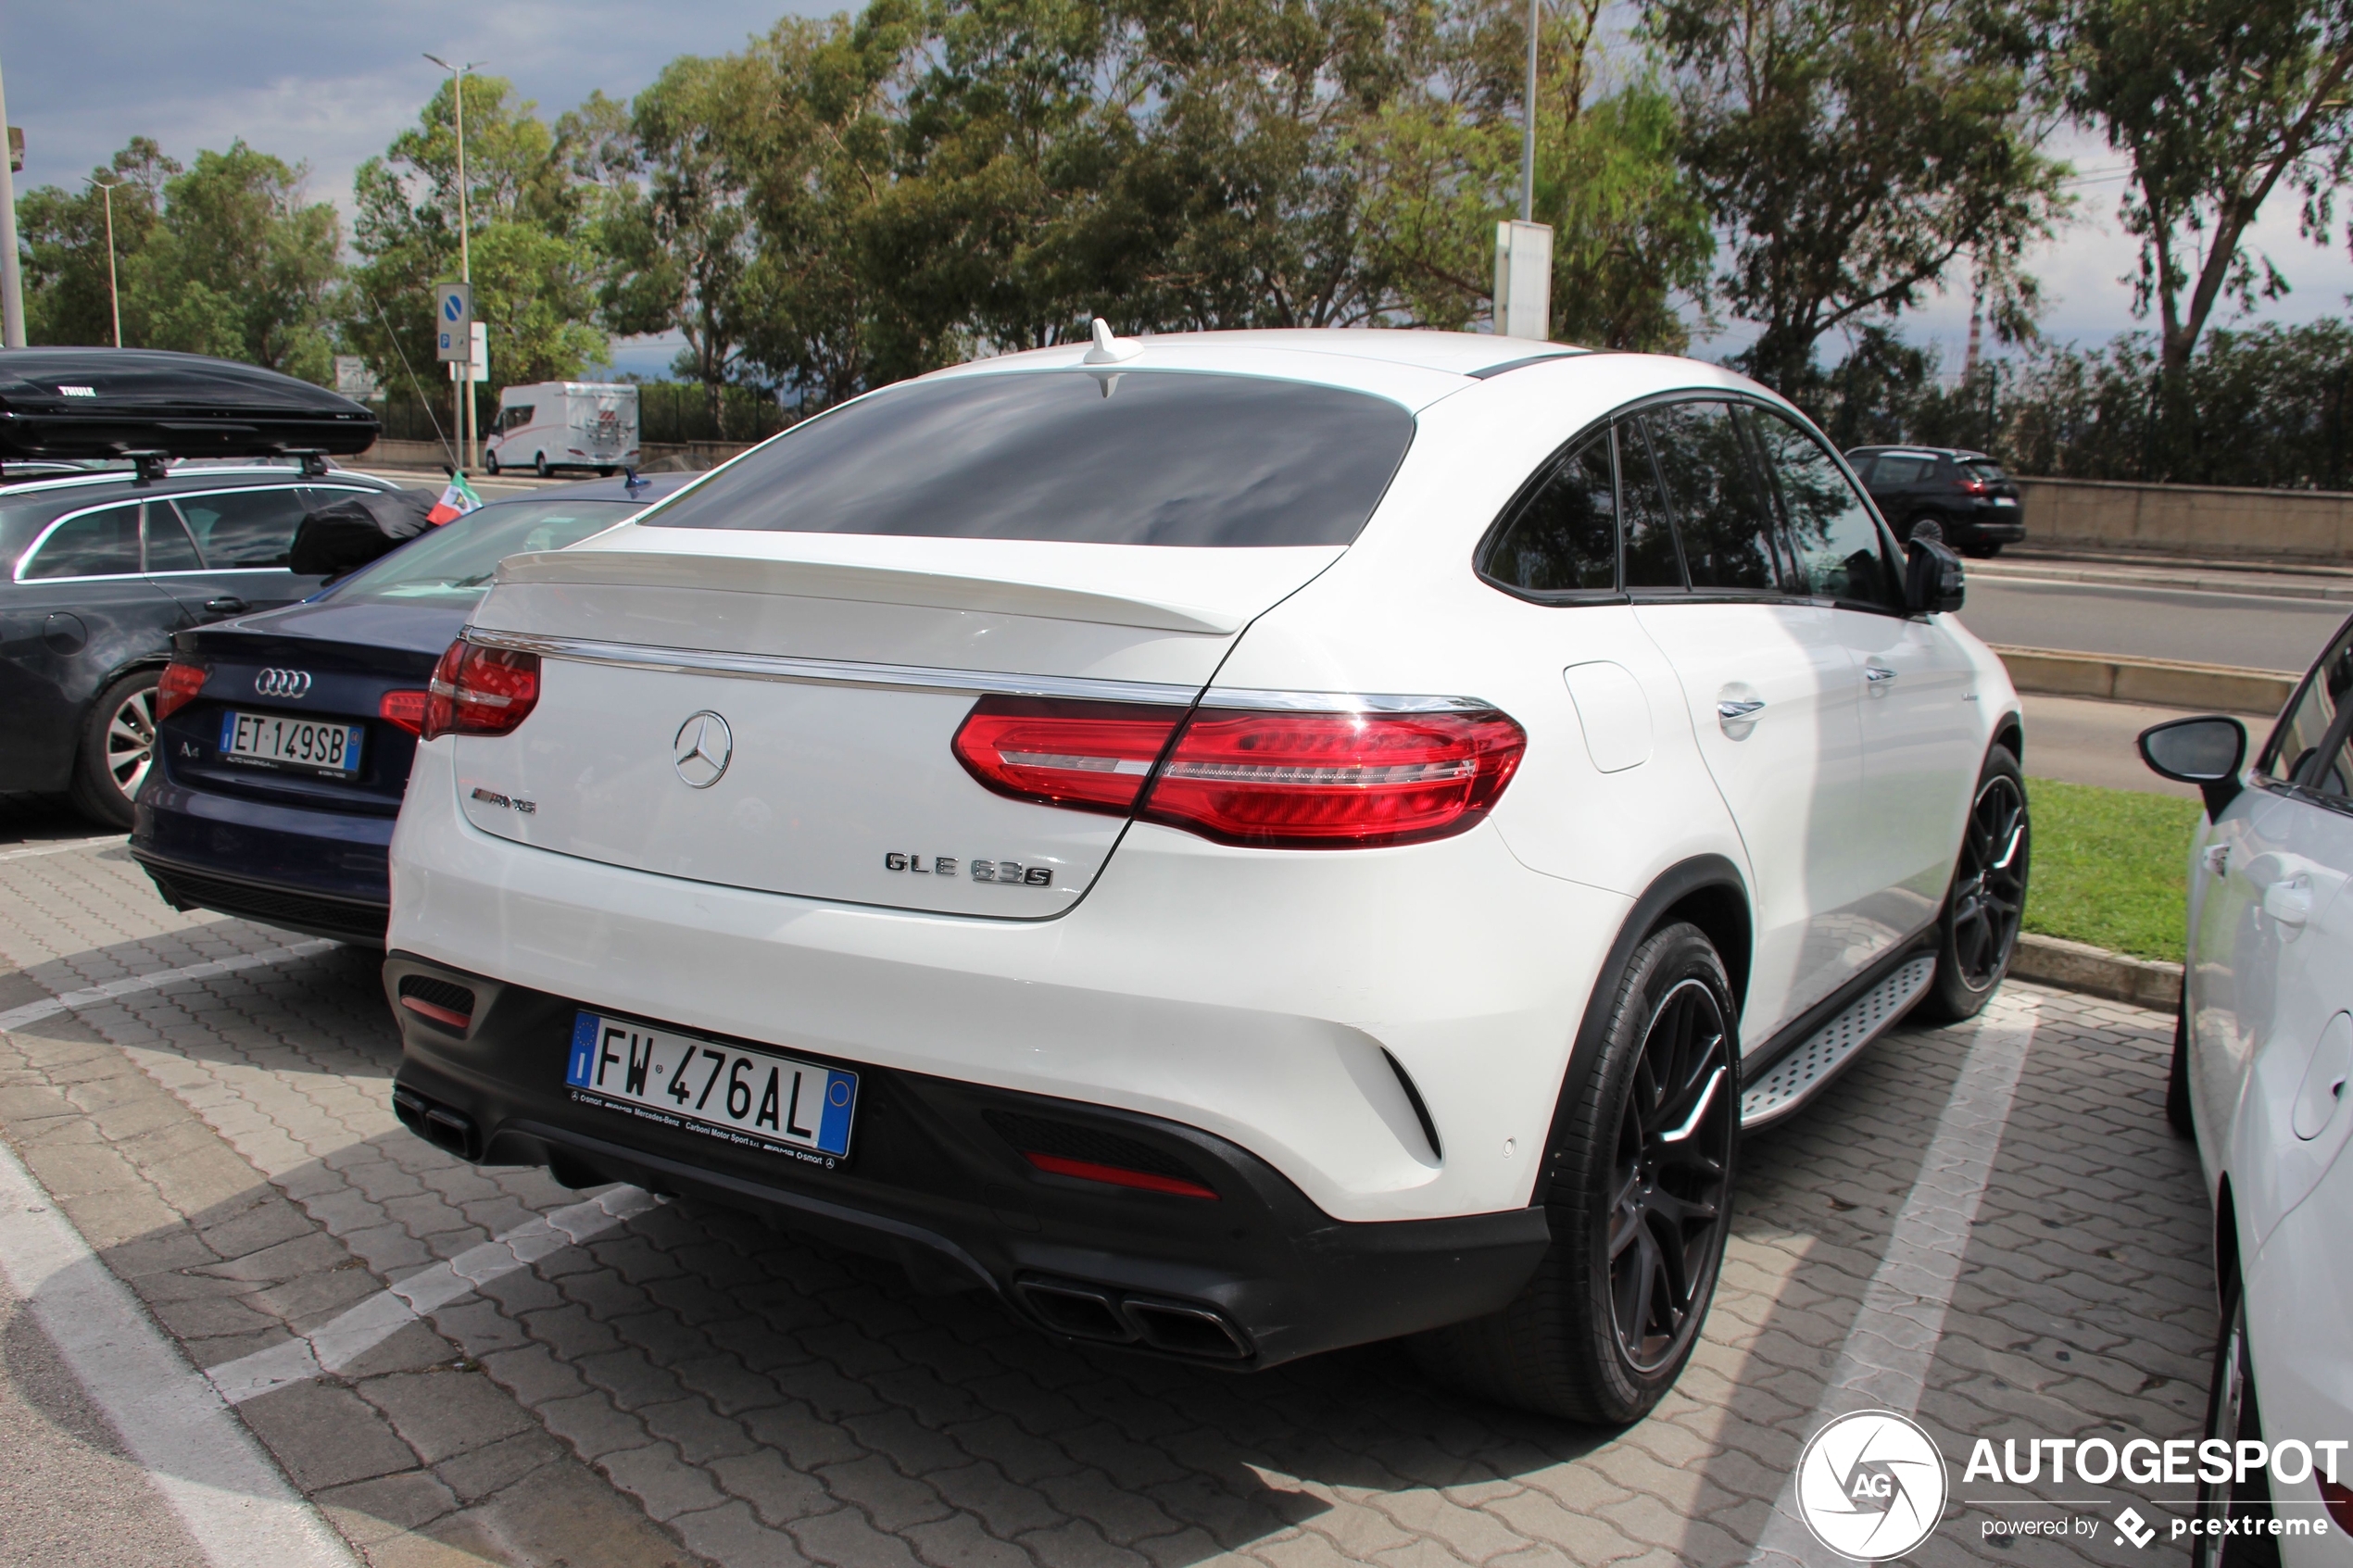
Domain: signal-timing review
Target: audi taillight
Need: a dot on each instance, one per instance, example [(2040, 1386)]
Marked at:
[(176, 687), (1974, 487), (1269, 780), (480, 691), (405, 709)]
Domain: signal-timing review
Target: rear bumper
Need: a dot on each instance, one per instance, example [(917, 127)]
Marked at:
[(1292, 1004), (936, 1182), (323, 872), (1995, 525)]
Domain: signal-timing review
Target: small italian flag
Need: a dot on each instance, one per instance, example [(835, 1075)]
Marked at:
[(455, 503)]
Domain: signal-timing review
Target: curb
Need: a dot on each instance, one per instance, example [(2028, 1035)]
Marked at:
[(2078, 966), (2158, 683)]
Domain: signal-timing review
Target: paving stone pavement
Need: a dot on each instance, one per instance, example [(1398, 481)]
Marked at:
[(693, 1386)]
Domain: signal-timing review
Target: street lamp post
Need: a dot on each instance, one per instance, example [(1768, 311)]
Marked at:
[(465, 254), (114, 293)]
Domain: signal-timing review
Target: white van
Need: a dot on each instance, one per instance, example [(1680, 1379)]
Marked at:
[(559, 424)]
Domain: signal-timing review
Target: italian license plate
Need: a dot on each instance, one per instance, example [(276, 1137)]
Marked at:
[(275, 740), (755, 1099)]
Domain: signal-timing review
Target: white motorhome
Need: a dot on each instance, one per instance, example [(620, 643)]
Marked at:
[(557, 424)]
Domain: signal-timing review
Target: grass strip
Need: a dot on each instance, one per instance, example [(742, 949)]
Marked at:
[(2111, 867)]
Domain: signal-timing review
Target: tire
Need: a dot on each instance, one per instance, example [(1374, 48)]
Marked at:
[(604, 473), (2232, 1413), (1976, 931), (118, 746), (2177, 1082), (539, 464), (1591, 1337), (490, 463)]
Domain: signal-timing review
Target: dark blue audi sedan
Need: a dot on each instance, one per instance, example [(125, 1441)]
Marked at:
[(283, 739)]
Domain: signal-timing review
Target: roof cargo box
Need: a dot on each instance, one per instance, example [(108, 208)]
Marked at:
[(107, 402)]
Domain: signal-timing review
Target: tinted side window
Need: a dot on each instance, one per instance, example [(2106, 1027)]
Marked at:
[(1840, 555), (1863, 466), (1651, 558), (1894, 470), (99, 543), (244, 528), (1719, 512), (1563, 536), (169, 547), (2294, 749), (1137, 457)]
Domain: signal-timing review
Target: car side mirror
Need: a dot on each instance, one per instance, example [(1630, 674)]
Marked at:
[(2207, 751), (1931, 578)]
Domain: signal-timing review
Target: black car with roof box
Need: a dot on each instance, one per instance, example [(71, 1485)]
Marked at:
[(111, 540)]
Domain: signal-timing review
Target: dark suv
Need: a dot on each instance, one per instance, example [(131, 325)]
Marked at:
[(1972, 500)]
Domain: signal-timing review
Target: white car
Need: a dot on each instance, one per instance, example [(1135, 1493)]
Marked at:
[(2262, 1056), (1237, 844)]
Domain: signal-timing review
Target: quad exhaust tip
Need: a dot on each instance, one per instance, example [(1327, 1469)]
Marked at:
[(1114, 1317), (437, 1124)]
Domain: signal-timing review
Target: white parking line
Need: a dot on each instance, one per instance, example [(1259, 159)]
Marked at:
[(61, 846), (34, 1013), (236, 1506), (1891, 1343), (372, 1322)]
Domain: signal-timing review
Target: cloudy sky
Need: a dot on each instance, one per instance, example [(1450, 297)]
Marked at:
[(330, 83)]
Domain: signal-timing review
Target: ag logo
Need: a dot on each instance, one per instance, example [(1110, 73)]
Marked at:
[(1870, 1485)]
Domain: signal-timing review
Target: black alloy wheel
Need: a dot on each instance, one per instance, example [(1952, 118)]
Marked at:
[(1986, 903), (490, 463), (1637, 1189), (1674, 1162), (2231, 1414)]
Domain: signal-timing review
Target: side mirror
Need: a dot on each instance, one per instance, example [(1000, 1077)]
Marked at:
[(1931, 578), (2207, 752)]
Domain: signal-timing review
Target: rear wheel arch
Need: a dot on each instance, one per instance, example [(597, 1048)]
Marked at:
[(1706, 890), (2011, 733)]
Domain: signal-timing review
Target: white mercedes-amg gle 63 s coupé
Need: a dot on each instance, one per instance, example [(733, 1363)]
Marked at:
[(1235, 845)]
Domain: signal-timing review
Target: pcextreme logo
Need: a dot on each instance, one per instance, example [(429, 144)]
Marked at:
[(1870, 1485)]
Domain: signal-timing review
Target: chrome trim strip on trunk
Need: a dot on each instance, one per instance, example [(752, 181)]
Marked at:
[(926, 678), (830, 671)]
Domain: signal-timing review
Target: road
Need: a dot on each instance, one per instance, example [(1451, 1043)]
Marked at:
[(2248, 630)]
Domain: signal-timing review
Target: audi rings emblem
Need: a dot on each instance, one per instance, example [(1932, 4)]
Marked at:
[(702, 750), (282, 682)]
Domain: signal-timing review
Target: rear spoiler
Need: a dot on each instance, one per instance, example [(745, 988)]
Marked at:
[(874, 584)]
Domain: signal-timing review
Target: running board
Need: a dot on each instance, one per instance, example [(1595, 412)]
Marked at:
[(1796, 1076)]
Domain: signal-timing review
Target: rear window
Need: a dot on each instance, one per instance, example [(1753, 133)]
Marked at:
[(453, 564), (1984, 468), (1099, 457)]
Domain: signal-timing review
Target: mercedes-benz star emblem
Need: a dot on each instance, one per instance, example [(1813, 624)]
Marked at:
[(282, 682), (701, 751)]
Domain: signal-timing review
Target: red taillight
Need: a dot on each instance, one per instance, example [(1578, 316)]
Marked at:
[(403, 709), (1092, 756), (480, 691), (1974, 487), (176, 687), (1275, 780), (1117, 1175)]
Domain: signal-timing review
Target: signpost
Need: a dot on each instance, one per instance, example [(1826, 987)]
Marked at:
[(453, 340)]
